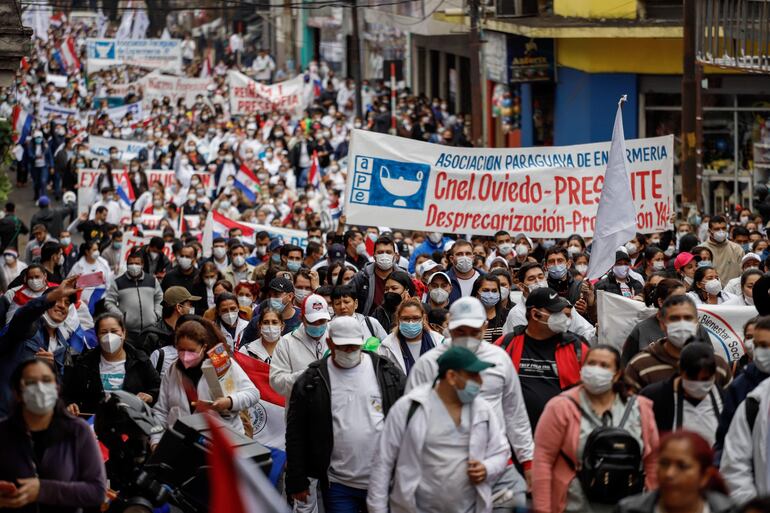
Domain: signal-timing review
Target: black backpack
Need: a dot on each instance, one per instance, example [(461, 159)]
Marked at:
[(611, 468)]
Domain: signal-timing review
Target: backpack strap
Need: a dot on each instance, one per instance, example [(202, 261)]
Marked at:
[(752, 410), (714, 403), (369, 325), (412, 409), (627, 412), (161, 357), (507, 339)]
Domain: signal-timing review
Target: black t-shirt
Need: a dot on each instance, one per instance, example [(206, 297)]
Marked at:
[(538, 375), (92, 230)]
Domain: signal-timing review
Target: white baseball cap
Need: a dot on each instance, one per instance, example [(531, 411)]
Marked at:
[(750, 256), (425, 267), (314, 308), (346, 331), (467, 311)]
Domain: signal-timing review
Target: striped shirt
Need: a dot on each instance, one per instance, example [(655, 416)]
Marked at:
[(654, 364)]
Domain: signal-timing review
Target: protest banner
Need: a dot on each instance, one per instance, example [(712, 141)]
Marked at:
[(47, 110), (59, 81), (116, 114), (167, 177), (88, 193), (618, 315), (248, 96), (131, 241), (542, 192), (155, 86), (162, 54), (217, 225), (99, 147)]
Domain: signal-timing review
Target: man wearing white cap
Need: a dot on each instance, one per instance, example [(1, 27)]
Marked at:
[(749, 261), (336, 414), (439, 290), (298, 349), (500, 387)]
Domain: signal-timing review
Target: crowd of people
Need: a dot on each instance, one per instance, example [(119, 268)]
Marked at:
[(421, 372)]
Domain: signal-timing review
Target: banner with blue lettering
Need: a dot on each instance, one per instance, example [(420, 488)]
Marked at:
[(549, 192)]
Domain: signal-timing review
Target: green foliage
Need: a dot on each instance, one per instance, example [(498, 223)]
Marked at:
[(6, 144)]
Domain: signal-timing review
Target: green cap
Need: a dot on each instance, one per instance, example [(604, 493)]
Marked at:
[(461, 358)]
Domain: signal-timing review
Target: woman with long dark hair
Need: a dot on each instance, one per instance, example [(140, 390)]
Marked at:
[(51, 461), (706, 287), (569, 418)]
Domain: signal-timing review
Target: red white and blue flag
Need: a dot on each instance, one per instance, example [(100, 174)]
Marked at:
[(268, 416), (124, 190), (314, 175), (22, 124), (57, 19), (67, 55), (248, 183), (218, 225)]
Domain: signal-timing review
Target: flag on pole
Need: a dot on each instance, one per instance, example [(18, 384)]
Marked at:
[(217, 225), (236, 484), (616, 215), (248, 183), (68, 55), (268, 416), (124, 190), (141, 24), (124, 31), (58, 19), (313, 177), (21, 124)]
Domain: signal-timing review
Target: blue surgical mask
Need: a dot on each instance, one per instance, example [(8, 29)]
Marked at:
[(489, 298), (315, 331), (469, 393), (558, 271), (410, 330), (293, 265), (276, 258), (276, 303)]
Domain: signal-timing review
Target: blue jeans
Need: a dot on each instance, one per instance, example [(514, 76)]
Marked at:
[(39, 180), (344, 499)]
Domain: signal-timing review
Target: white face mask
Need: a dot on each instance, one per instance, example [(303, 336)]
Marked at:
[(185, 263), (271, 333), (347, 360), (384, 261), (470, 343), (713, 287), (581, 268), (50, 322), (522, 250), (558, 322), (762, 359), (219, 252), (244, 301), (134, 270), (40, 398), (697, 389), (36, 284), (658, 265), (439, 295), (238, 261), (210, 282), (537, 285), (464, 264), (678, 332), (110, 343), (229, 318), (505, 249), (596, 380)]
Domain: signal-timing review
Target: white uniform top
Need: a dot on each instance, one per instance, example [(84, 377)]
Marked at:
[(445, 485), (357, 420)]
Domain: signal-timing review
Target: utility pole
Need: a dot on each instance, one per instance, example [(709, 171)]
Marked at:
[(356, 56), (477, 104), (688, 160)]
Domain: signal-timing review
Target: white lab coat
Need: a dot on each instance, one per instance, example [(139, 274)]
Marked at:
[(744, 456), (172, 400), (401, 447), (500, 388), (390, 348)]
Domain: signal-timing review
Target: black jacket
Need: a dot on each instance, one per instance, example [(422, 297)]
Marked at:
[(309, 432), (569, 289), (10, 229), (176, 278), (611, 285), (83, 383), (156, 336), (663, 405)]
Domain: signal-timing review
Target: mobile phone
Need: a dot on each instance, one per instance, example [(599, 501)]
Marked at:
[(90, 280), (7, 488)]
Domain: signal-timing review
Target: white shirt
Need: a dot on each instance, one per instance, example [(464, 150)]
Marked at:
[(112, 373), (700, 418), (263, 66), (357, 420), (466, 286), (256, 349), (445, 485)]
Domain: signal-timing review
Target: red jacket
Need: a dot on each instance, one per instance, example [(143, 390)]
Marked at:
[(570, 354)]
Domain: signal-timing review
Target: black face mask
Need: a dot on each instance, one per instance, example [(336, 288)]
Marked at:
[(391, 300)]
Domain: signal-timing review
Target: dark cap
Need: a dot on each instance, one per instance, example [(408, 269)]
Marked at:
[(460, 358), (274, 244), (281, 285), (621, 255), (336, 252), (547, 298)]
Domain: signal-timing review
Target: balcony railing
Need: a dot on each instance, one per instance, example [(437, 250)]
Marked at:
[(733, 34)]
